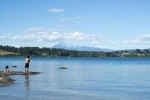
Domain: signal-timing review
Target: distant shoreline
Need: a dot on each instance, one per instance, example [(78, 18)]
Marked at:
[(9, 51), (72, 57)]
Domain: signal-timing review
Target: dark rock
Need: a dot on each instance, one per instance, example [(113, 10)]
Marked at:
[(18, 73), (14, 66), (6, 80), (63, 68)]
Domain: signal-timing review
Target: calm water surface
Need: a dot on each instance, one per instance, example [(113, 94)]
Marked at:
[(85, 79)]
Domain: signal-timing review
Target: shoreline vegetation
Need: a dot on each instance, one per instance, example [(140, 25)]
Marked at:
[(8, 51)]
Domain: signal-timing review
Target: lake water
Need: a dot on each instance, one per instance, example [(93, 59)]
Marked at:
[(85, 79)]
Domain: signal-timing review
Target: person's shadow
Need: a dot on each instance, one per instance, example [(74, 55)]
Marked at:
[(26, 83)]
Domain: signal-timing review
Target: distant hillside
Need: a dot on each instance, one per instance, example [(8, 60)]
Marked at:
[(2, 52), (63, 45)]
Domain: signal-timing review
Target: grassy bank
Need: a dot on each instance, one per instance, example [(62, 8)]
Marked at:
[(2, 52)]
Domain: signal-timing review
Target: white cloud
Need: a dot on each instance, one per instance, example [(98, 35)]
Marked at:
[(17, 46), (139, 40), (5, 37), (63, 19), (102, 46), (38, 29), (56, 10), (75, 19), (34, 29), (79, 36), (95, 42), (52, 36)]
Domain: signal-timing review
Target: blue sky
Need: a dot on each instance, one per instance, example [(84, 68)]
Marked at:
[(113, 24)]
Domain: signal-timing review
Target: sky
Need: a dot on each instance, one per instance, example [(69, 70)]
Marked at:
[(112, 24)]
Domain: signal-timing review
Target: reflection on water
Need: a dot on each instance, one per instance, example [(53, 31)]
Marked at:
[(4, 84), (26, 83)]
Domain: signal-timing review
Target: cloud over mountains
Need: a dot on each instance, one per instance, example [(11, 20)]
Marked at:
[(51, 36), (145, 39)]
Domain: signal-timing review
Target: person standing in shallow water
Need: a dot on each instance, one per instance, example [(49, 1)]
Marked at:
[(27, 61)]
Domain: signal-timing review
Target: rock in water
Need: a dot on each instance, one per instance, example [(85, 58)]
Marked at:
[(5, 80), (63, 68), (14, 66), (18, 73)]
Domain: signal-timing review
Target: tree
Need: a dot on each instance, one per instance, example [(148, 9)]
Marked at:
[(138, 51), (145, 51)]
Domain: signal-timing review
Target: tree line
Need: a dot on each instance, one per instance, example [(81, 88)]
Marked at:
[(53, 52)]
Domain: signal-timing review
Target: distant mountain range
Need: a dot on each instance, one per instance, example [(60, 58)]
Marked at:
[(63, 45)]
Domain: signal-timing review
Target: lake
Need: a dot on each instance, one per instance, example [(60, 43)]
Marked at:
[(85, 79)]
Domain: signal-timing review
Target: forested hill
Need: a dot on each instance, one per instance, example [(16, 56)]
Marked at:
[(53, 52)]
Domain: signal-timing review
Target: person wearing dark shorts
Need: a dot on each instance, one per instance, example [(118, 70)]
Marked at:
[(26, 65), (27, 61)]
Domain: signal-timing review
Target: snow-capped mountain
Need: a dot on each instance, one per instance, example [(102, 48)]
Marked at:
[(63, 45)]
